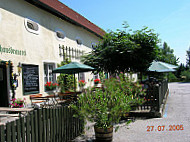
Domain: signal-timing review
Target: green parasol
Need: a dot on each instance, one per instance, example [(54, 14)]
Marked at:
[(72, 68)]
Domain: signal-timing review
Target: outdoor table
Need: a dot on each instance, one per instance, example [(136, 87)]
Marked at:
[(69, 95), (53, 98), (5, 117), (8, 109), (9, 115), (43, 101), (2, 123), (64, 97), (16, 110), (49, 100)]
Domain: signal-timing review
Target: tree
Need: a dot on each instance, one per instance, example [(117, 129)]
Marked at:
[(112, 53), (148, 51), (179, 70), (188, 58), (166, 54), (122, 51), (186, 75)]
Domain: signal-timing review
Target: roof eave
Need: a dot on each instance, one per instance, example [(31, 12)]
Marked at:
[(45, 7)]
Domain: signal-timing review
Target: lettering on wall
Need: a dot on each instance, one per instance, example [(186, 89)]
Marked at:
[(10, 50)]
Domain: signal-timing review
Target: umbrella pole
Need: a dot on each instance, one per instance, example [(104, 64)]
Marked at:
[(74, 84)]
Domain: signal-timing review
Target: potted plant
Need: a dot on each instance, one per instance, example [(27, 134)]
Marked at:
[(17, 103), (96, 81), (105, 106), (49, 86)]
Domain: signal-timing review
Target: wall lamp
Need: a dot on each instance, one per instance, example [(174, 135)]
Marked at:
[(19, 68)]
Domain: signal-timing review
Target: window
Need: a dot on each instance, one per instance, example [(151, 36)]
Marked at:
[(96, 76), (60, 34), (93, 45), (81, 76), (48, 75), (31, 26), (79, 40)]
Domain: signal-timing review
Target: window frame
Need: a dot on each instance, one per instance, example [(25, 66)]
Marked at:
[(80, 43), (93, 44), (95, 76), (58, 38), (26, 20), (81, 76), (46, 78)]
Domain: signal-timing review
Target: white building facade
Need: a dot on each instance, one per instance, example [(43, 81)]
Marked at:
[(34, 34)]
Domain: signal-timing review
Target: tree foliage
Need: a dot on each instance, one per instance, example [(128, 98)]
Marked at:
[(123, 51), (65, 81), (166, 54), (186, 74), (188, 57), (105, 106), (180, 69), (147, 41)]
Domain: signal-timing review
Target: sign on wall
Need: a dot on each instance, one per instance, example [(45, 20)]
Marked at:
[(30, 75), (10, 50)]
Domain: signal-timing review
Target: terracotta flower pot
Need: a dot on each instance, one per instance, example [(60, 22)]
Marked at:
[(103, 135)]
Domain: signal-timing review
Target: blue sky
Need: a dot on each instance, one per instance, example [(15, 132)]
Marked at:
[(169, 18)]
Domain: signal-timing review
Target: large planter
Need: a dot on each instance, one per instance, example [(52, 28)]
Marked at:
[(103, 135)]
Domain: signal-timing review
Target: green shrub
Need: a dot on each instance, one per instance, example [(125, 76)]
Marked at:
[(66, 81), (172, 78), (107, 105), (185, 75)]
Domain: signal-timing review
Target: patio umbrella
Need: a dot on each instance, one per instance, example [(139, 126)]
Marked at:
[(72, 68), (158, 66)]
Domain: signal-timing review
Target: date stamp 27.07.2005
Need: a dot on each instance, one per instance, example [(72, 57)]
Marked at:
[(165, 128)]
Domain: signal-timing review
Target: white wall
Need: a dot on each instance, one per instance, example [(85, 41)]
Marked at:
[(40, 47)]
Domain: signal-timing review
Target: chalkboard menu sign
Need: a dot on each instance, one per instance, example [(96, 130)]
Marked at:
[(30, 75)]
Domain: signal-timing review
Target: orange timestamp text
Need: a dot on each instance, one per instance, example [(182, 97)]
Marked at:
[(165, 128)]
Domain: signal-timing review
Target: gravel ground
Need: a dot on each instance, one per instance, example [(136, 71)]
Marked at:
[(176, 113)]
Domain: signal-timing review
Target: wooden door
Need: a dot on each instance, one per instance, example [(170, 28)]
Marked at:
[(3, 87)]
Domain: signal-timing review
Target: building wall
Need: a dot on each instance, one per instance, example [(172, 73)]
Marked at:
[(41, 47)]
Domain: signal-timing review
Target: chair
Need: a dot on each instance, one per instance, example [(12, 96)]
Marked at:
[(64, 98), (37, 100)]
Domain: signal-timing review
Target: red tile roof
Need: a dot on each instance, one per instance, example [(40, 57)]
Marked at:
[(69, 14)]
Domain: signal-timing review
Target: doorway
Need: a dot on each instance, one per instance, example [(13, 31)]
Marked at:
[(3, 87)]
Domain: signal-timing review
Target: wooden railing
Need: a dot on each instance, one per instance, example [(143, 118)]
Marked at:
[(155, 94), (43, 125), (162, 91)]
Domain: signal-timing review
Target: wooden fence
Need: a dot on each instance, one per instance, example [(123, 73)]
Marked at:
[(155, 95), (43, 125), (162, 92)]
